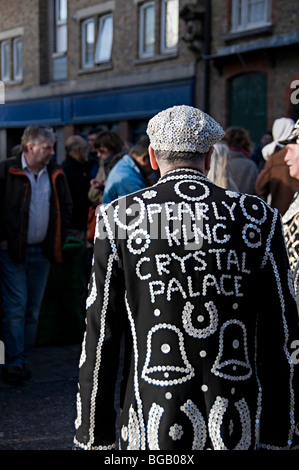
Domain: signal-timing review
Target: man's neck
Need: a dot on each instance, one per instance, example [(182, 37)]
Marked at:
[(194, 166), (33, 166)]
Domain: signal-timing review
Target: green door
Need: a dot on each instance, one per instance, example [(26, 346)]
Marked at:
[(248, 104)]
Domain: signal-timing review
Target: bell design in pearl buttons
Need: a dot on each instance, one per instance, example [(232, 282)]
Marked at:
[(232, 361), (166, 361)]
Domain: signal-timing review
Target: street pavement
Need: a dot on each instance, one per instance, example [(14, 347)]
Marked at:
[(40, 414)]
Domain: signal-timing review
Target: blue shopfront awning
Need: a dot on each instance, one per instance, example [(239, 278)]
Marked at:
[(139, 102)]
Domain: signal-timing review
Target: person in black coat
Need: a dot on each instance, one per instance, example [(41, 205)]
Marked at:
[(75, 168), (196, 278)]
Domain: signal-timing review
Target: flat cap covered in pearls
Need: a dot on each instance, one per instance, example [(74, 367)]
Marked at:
[(183, 129)]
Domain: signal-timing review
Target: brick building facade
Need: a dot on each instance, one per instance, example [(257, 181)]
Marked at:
[(255, 63), (73, 64)]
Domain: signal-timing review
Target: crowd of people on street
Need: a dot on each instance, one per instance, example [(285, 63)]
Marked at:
[(191, 260)]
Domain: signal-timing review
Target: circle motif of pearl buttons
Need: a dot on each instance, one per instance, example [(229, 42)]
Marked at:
[(204, 190), (246, 206), (141, 238), (251, 231)]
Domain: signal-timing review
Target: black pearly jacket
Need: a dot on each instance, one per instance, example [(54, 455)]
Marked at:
[(197, 280)]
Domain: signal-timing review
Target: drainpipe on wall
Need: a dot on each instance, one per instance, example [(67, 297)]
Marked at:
[(207, 53), (197, 18)]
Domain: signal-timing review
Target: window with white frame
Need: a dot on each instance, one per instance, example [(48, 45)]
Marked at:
[(147, 29), (61, 26), (164, 13), (97, 39), (5, 61), (59, 71), (250, 14), (104, 39), (88, 39), (17, 59), (11, 60), (169, 25)]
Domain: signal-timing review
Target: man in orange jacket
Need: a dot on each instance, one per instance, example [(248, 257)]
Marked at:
[(35, 207)]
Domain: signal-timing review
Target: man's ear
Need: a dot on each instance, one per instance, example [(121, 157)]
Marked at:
[(29, 147), (153, 159)]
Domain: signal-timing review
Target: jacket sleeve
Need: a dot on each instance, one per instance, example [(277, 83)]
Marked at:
[(122, 188), (95, 195), (99, 362), (277, 330)]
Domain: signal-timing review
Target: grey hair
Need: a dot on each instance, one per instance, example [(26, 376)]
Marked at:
[(36, 135), (177, 158), (219, 172)]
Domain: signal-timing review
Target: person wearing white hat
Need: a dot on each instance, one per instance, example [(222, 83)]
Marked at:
[(274, 182), (196, 278)]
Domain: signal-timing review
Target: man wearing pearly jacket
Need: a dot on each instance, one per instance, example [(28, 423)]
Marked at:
[(196, 278)]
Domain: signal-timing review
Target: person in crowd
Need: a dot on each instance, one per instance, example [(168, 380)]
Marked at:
[(291, 216), (75, 167), (195, 276), (16, 150), (110, 148), (257, 155), (131, 173), (220, 172), (274, 183), (281, 129), (35, 208), (243, 168), (92, 158)]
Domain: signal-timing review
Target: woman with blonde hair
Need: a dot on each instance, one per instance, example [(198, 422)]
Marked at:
[(220, 172)]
